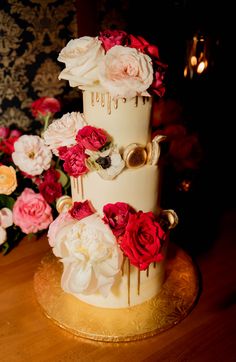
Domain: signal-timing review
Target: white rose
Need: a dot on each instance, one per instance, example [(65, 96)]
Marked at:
[(90, 255), (81, 57), (62, 132), (126, 72), (3, 235), (6, 217), (31, 155)]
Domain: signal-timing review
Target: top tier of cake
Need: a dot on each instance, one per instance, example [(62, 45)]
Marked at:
[(126, 120)]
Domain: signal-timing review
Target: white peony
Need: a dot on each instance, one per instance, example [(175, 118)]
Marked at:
[(3, 235), (90, 255), (6, 217), (81, 57), (62, 132), (126, 72), (31, 155)]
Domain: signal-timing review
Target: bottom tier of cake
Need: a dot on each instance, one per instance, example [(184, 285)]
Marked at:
[(174, 301)]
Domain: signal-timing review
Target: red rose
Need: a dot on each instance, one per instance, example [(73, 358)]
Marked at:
[(143, 240), (51, 175), (74, 158), (110, 38), (143, 46), (50, 190), (91, 138), (117, 216), (158, 86), (81, 210), (45, 105), (7, 145)]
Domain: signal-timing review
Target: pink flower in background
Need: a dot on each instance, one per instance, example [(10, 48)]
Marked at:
[(4, 132), (110, 38), (74, 158), (91, 138), (31, 155), (81, 210), (44, 106), (31, 212), (6, 217), (117, 216)]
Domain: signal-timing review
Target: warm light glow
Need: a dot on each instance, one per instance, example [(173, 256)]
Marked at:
[(193, 60), (185, 72), (201, 67), (206, 63)]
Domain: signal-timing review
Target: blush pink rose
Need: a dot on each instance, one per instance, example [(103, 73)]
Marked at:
[(110, 38), (31, 212), (143, 240), (117, 216), (91, 138), (80, 210)]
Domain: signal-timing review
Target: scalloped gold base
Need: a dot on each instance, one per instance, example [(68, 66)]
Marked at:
[(176, 299)]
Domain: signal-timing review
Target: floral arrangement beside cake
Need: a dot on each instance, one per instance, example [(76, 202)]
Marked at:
[(112, 236)]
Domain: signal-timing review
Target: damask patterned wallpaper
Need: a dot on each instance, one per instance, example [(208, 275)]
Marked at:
[(32, 33)]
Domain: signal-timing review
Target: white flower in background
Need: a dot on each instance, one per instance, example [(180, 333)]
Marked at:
[(108, 163), (81, 57), (31, 155), (6, 217), (62, 132), (126, 72), (3, 235), (90, 255)]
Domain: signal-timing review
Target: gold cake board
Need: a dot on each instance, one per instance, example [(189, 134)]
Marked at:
[(175, 301)]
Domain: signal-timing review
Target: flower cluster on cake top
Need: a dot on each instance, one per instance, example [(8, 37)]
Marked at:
[(116, 62)]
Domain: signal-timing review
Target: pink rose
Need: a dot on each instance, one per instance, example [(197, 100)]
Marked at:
[(74, 158), (110, 38), (4, 132), (91, 138), (62, 220), (31, 212), (44, 105), (117, 216), (143, 240), (80, 210), (15, 133)]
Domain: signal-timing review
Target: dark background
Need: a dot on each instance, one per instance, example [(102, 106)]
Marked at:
[(205, 99)]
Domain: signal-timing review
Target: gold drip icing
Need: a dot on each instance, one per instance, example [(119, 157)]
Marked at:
[(136, 101), (147, 99), (138, 289), (128, 281), (147, 271), (115, 103), (123, 266), (124, 100), (81, 191), (154, 265), (102, 100), (97, 97), (92, 99), (144, 100), (74, 183), (109, 103)]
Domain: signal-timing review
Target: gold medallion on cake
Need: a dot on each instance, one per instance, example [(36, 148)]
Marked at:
[(135, 156), (63, 203)]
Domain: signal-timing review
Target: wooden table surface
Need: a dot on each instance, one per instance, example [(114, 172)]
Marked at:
[(208, 333)]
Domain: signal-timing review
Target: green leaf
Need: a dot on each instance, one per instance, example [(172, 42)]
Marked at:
[(5, 247), (64, 179), (6, 201)]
